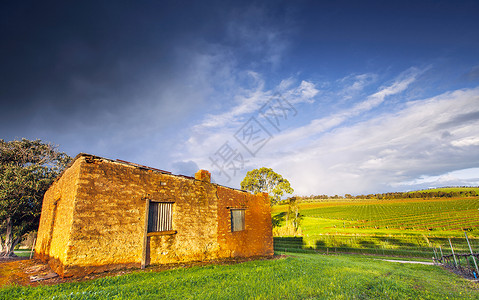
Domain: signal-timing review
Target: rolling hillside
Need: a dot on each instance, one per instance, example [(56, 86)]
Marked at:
[(399, 226)]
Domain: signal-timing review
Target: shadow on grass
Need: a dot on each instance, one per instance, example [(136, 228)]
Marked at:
[(278, 219), (297, 244), (399, 243), (367, 244)]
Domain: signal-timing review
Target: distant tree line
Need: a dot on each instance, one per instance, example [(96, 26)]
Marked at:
[(400, 195)]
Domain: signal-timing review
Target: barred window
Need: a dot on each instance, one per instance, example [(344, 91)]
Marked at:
[(159, 216), (237, 220)]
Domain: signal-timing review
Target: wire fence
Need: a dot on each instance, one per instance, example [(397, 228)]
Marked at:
[(465, 263)]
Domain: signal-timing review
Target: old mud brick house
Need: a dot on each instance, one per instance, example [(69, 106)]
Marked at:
[(103, 214)]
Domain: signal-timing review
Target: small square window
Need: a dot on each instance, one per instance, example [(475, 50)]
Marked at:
[(159, 216), (237, 220)]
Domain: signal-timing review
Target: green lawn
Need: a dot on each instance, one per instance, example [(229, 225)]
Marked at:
[(23, 252), (300, 276)]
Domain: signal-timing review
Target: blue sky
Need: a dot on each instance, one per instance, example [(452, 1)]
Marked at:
[(337, 96)]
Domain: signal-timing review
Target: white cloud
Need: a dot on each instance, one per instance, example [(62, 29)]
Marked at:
[(307, 90), (398, 86), (468, 141), (352, 85), (249, 101), (331, 155), (207, 136), (387, 149), (355, 149), (216, 129), (319, 126), (465, 177)]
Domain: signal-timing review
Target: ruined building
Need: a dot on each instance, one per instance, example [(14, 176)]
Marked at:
[(102, 214)]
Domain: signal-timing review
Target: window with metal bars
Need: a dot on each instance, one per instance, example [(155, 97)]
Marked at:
[(237, 220), (159, 216)]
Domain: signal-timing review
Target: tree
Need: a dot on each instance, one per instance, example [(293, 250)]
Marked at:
[(293, 214), (27, 168), (266, 180)]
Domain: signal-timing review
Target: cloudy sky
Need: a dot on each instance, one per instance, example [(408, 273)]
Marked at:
[(337, 96)]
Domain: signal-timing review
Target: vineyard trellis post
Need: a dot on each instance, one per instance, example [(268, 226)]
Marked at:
[(453, 255), (472, 253), (435, 255)]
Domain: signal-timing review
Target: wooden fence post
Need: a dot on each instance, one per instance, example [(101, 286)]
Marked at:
[(453, 255), (473, 257)]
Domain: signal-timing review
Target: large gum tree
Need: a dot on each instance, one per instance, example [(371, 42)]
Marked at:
[(27, 168), (266, 180)]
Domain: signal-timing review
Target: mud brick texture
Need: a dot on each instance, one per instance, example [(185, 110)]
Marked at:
[(94, 218)]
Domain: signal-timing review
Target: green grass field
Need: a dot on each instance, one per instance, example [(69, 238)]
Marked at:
[(23, 252), (397, 227), (300, 276)]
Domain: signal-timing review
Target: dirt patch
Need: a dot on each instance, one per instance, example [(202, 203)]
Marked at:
[(20, 272), (11, 258), (12, 271)]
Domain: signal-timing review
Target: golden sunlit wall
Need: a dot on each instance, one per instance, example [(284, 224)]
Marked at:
[(94, 218)]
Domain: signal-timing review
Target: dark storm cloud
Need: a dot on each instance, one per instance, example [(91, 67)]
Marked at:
[(112, 78), (122, 79), (68, 64)]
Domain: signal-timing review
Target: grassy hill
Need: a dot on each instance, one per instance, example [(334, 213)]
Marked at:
[(299, 276), (450, 189)]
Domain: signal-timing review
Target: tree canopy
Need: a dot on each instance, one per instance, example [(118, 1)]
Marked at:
[(266, 180), (27, 168)]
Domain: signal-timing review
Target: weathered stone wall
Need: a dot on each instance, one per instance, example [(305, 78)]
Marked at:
[(108, 217), (110, 212), (53, 238), (100, 219), (194, 220), (257, 238)]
